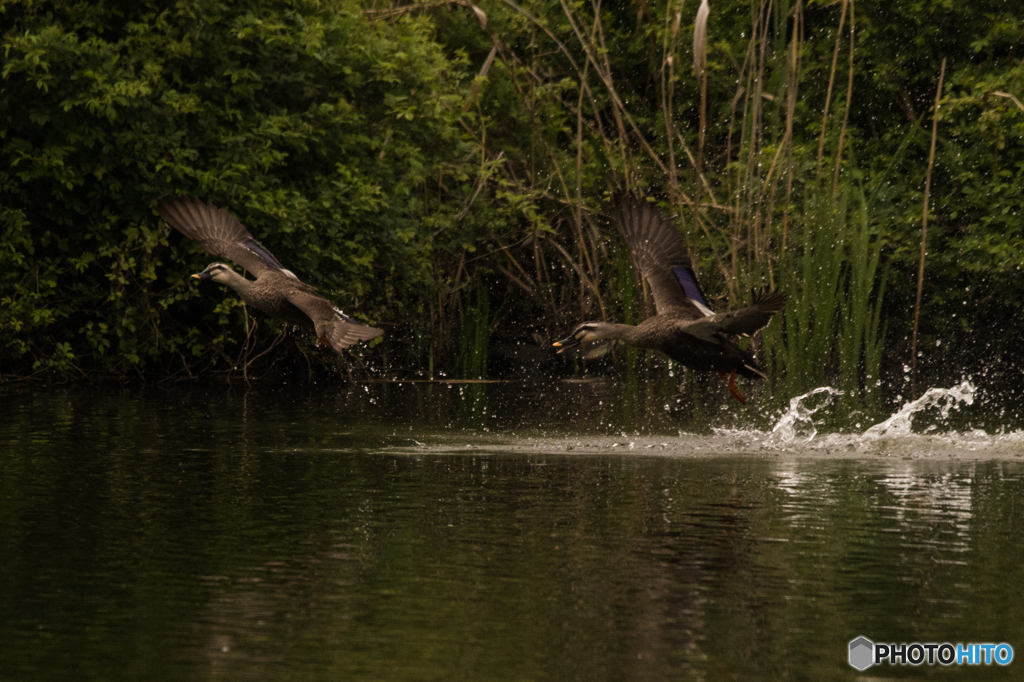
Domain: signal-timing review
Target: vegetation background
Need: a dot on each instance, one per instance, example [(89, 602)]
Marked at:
[(443, 170)]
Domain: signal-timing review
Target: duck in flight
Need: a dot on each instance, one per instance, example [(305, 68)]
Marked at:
[(276, 291), (684, 328)]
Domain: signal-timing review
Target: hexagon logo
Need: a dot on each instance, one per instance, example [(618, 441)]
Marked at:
[(862, 653)]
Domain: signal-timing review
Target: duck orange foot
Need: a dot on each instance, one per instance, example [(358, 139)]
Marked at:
[(730, 380)]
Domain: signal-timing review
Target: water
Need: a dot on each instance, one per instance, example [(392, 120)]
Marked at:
[(492, 532)]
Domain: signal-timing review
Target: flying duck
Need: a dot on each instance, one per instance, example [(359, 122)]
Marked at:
[(276, 291), (685, 328)]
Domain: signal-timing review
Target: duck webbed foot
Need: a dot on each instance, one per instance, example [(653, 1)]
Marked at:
[(730, 380)]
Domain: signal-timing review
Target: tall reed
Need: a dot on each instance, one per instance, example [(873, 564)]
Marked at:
[(760, 207), (475, 334)]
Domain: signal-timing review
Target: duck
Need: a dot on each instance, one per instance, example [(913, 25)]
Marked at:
[(276, 291), (684, 328)]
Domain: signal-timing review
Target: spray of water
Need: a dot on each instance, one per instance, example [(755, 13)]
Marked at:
[(945, 399), (797, 422)]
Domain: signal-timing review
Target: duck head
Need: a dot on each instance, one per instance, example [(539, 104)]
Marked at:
[(218, 272), (588, 331)]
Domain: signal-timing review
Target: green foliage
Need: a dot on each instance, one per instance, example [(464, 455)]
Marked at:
[(450, 183), (610, 103), (475, 325), (832, 327), (316, 126)]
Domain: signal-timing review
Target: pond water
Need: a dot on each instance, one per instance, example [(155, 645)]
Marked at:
[(489, 532)]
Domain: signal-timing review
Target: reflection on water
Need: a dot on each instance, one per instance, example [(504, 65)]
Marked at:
[(481, 532)]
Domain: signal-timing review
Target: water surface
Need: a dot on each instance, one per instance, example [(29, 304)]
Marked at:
[(484, 532)]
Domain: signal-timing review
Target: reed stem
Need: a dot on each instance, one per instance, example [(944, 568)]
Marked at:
[(924, 231)]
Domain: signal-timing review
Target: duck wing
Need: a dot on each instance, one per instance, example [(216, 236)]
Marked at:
[(333, 327), (220, 234), (742, 322), (660, 253)]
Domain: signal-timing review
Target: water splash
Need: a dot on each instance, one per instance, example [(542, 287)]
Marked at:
[(797, 422), (945, 399)]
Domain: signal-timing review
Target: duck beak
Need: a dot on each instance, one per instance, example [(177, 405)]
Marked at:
[(203, 276), (566, 343)]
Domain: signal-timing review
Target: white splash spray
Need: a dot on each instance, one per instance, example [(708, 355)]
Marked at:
[(797, 422), (945, 399)]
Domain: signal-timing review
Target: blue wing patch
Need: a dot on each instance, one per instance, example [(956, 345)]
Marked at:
[(688, 281)]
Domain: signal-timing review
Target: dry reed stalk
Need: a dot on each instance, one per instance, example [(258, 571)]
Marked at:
[(831, 83), (846, 112), (743, 231), (756, 252), (736, 218), (478, 81), (791, 89), (741, 90), (619, 110), (703, 177), (590, 284), (667, 76), (392, 12), (924, 231), (530, 285), (1008, 95), (528, 288), (700, 68), (769, 214), (700, 39), (719, 261), (619, 106), (535, 24), (516, 65), (771, 168), (579, 183), (603, 70), (591, 263)]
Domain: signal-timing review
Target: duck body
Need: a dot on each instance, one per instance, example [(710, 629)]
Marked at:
[(685, 328), (668, 335), (269, 294), (275, 291)]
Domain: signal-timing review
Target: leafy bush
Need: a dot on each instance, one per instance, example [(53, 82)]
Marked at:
[(316, 126), (447, 178)]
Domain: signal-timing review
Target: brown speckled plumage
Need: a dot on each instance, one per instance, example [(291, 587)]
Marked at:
[(684, 328), (276, 291)]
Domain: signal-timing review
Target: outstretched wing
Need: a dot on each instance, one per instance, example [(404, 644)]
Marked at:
[(220, 234), (743, 322), (332, 325), (660, 253)]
